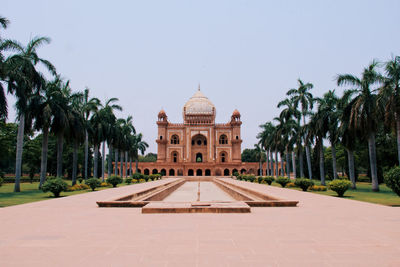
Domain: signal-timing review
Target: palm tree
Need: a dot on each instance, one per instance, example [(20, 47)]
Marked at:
[(259, 154), (76, 132), (3, 100), (108, 120), (98, 134), (87, 107), (62, 107), (23, 81), (138, 145), (265, 136), (127, 131), (329, 116), (364, 114), (389, 97), (317, 129), (291, 117), (302, 96), (347, 134), (43, 115)]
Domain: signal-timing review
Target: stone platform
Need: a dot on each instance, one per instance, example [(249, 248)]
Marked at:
[(196, 207)]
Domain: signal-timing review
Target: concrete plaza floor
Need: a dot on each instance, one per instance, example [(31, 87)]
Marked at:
[(321, 231)]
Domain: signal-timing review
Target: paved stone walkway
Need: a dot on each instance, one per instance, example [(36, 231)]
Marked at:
[(322, 231)]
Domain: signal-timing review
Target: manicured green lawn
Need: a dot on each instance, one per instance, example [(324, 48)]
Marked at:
[(363, 193), (31, 193)]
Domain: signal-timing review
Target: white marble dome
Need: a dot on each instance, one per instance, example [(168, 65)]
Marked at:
[(199, 104)]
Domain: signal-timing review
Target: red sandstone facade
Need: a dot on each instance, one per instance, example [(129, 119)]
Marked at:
[(199, 146)]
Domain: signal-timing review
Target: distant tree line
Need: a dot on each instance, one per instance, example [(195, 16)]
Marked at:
[(68, 125), (362, 127)]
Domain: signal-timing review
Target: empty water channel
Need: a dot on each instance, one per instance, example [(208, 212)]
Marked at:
[(197, 195)]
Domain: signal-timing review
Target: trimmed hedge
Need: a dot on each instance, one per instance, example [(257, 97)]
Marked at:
[(269, 179), (303, 183), (93, 183), (339, 186), (283, 181), (114, 180), (392, 179), (55, 186)]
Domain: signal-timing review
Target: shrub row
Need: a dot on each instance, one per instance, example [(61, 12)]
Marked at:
[(256, 179)]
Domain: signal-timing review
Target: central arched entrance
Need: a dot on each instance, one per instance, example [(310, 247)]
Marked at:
[(199, 172), (199, 148), (199, 157)]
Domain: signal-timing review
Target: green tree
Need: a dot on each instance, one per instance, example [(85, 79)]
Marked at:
[(23, 81), (87, 106), (138, 145), (389, 96), (364, 117), (302, 96), (3, 74)]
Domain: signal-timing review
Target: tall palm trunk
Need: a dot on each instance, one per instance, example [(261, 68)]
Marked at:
[(137, 164), (86, 153), (116, 162), (308, 155), (103, 158), (271, 155), (60, 146), (130, 166), (18, 154), (276, 163), (43, 162), (294, 164), (126, 164), (350, 156), (96, 161), (260, 167), (398, 136), (372, 160), (335, 176), (267, 163), (74, 162), (301, 161), (109, 162), (282, 167), (287, 163), (121, 171), (321, 163)]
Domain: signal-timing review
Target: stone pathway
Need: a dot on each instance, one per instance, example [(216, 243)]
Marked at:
[(321, 231)]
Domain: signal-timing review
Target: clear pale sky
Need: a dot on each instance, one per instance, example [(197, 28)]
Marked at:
[(245, 54)]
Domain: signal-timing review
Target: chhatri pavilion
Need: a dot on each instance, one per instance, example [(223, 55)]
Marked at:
[(199, 146)]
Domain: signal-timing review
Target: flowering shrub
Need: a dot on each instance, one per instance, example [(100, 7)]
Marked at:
[(339, 186), (104, 184), (134, 181), (142, 180), (291, 184), (318, 188), (77, 187)]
